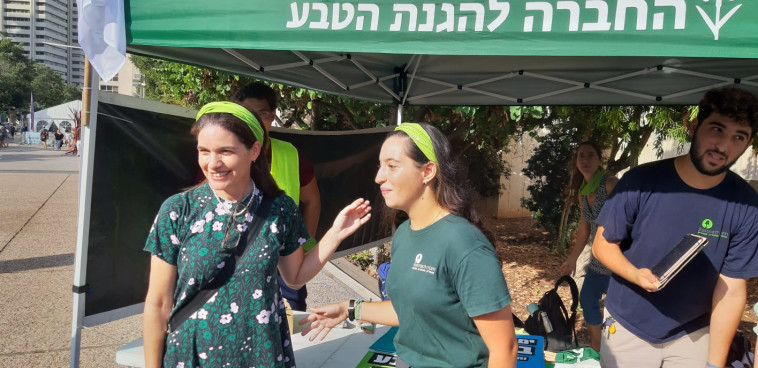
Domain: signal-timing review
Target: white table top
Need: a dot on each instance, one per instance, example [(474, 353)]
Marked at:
[(341, 348)]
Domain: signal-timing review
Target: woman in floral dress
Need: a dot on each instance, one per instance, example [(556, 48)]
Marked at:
[(195, 233)]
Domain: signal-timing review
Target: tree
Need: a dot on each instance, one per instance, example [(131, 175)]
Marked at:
[(16, 70), (49, 89), (479, 134), (622, 130)]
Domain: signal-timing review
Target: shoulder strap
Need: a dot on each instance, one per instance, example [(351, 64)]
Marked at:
[(574, 302), (574, 290), (181, 315)]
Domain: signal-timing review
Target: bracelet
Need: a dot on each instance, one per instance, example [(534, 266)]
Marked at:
[(351, 310), (709, 365), (358, 309)]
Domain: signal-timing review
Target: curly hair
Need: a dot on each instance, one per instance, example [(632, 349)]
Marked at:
[(735, 103)]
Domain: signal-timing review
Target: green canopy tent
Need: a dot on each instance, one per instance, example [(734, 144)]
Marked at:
[(465, 53), (480, 52)]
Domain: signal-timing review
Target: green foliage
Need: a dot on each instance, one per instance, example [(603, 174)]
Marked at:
[(479, 134), (622, 131), (49, 89), (16, 70), (363, 259)]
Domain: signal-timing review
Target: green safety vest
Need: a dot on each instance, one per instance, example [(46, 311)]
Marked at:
[(285, 168)]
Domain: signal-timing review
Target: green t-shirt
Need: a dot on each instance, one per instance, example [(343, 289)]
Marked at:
[(441, 277)]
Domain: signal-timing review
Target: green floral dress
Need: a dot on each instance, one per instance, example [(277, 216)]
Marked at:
[(244, 324)]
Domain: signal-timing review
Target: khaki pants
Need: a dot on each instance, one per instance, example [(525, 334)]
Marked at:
[(623, 349)]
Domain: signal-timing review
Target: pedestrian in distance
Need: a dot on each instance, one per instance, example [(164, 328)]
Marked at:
[(197, 237), (692, 321), (446, 287), (43, 135), (58, 139)]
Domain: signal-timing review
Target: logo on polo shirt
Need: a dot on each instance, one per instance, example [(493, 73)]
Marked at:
[(418, 266)]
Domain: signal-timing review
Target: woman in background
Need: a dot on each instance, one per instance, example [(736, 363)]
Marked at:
[(595, 187)]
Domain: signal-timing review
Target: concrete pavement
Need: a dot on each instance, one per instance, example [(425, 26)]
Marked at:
[(38, 199)]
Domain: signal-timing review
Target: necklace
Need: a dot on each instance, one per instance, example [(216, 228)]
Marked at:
[(232, 222), (228, 203)]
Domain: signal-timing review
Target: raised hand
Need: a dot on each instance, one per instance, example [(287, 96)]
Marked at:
[(323, 319), (352, 217)]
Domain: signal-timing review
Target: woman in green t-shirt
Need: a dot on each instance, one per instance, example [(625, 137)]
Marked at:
[(447, 290)]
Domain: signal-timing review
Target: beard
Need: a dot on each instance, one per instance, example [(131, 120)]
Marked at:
[(698, 159)]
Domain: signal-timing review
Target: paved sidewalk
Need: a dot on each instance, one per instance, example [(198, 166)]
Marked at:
[(39, 189)]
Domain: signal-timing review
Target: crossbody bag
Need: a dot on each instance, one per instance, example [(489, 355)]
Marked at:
[(185, 311)]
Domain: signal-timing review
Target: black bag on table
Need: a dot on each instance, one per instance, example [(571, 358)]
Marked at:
[(552, 321)]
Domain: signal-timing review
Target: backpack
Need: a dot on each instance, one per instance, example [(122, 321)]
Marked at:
[(552, 321), (739, 353), (383, 270)]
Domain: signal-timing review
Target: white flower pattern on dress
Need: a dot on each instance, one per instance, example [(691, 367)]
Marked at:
[(191, 281), (262, 317), (273, 228), (198, 227), (248, 217), (173, 216), (225, 318), (217, 226), (180, 365), (209, 216), (202, 314), (242, 227), (203, 356), (302, 241), (223, 208), (234, 308), (174, 239), (257, 293), (221, 265)]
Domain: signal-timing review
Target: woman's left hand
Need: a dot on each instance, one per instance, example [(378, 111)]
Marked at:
[(351, 218)]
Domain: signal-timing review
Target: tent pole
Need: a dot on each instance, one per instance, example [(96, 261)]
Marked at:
[(87, 152), (399, 114)]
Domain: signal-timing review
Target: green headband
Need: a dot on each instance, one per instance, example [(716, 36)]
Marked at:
[(421, 138), (238, 111)]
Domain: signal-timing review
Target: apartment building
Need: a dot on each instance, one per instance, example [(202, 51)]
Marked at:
[(46, 30)]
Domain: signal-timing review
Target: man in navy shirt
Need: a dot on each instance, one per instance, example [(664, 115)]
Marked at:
[(692, 321)]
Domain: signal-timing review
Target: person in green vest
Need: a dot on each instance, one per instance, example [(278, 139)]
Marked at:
[(291, 170)]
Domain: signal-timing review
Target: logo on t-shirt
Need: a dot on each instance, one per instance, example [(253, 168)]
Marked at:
[(707, 223), (417, 266), (706, 229)]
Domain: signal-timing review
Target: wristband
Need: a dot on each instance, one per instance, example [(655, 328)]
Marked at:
[(358, 309), (709, 365), (351, 310)]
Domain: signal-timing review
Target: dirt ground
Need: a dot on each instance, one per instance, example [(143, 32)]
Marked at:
[(531, 269)]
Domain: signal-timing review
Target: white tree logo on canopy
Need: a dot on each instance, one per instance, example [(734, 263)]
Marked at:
[(715, 25)]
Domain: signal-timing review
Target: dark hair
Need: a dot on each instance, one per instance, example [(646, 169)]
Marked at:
[(450, 186), (259, 169), (576, 177), (735, 103), (257, 90)]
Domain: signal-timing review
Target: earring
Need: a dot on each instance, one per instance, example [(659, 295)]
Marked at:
[(424, 182)]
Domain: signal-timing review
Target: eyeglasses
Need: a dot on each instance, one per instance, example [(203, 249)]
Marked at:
[(232, 222)]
